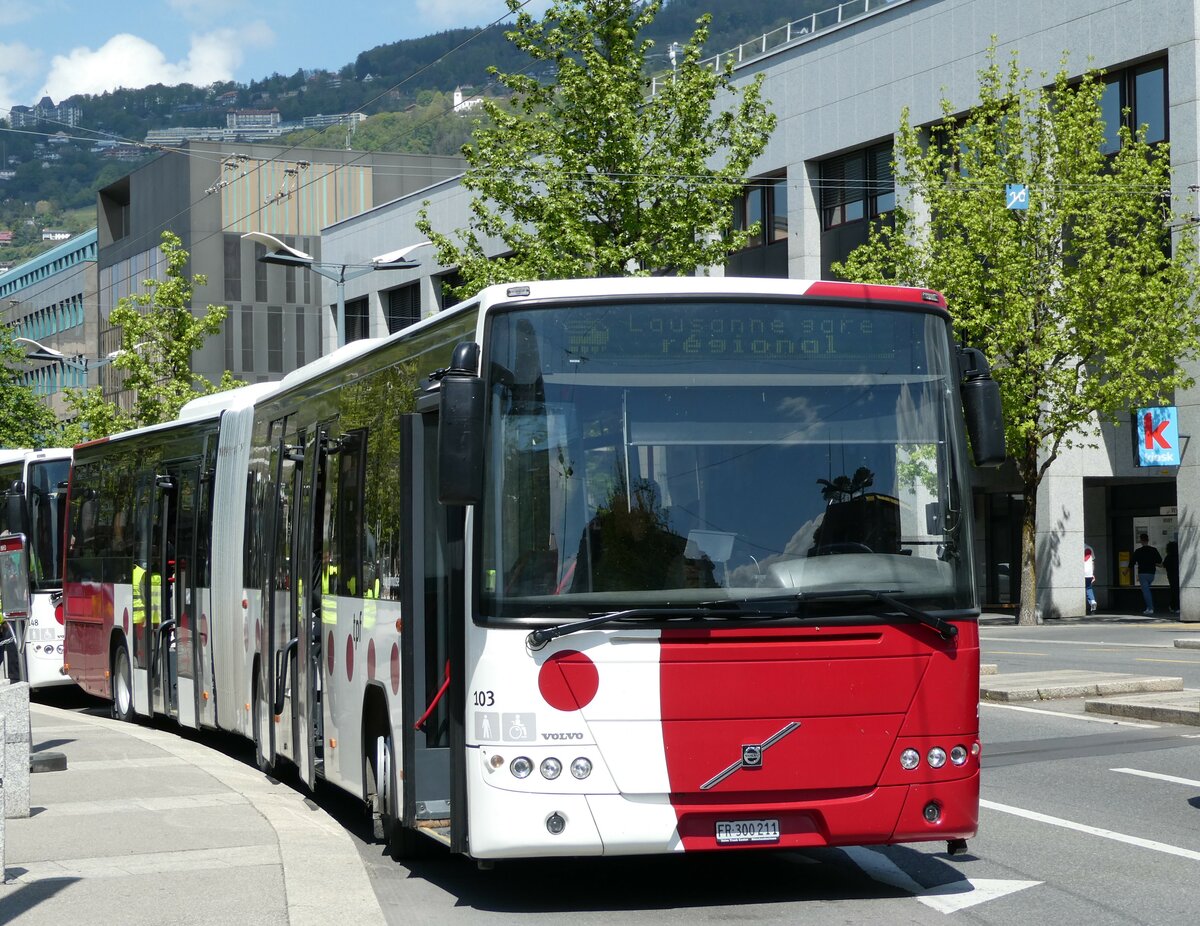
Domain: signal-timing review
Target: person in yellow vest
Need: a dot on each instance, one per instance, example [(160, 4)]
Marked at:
[(143, 590), (329, 580)]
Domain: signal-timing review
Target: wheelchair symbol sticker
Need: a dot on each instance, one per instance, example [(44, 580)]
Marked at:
[(516, 728)]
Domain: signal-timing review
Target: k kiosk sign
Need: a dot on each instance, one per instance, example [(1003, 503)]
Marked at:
[(1156, 436)]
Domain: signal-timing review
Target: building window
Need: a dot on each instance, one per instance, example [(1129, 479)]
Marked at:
[(233, 268), (764, 201), (260, 273), (444, 285), (403, 306), (274, 339), (357, 326), (247, 337), (856, 186), (1134, 97), (300, 354)]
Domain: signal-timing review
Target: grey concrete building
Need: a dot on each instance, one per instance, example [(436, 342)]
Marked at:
[(211, 194), (838, 82)]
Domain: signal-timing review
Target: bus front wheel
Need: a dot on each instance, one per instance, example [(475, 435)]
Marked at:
[(121, 682)]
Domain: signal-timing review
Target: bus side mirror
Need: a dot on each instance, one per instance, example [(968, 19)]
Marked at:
[(15, 513), (460, 429), (982, 409)]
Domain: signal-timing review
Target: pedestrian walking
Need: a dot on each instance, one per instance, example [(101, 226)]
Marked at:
[(1171, 567), (1089, 578), (1147, 559)]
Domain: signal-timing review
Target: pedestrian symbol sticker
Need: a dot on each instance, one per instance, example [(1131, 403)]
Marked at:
[(487, 726)]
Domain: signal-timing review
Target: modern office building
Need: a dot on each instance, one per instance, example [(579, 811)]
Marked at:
[(51, 301), (210, 195), (838, 82)]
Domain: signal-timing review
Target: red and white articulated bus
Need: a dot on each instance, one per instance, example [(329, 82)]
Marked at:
[(33, 486), (588, 567)]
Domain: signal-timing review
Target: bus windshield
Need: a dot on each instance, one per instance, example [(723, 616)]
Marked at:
[(670, 454), (47, 491)]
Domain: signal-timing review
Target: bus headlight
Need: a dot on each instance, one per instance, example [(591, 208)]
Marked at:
[(551, 768), (936, 757), (958, 755), (910, 759), (581, 768), (520, 767)]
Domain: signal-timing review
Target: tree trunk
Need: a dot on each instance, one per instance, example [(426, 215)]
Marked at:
[(1029, 591)]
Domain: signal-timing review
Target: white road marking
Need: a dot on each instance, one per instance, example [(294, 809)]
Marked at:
[(946, 898), (1163, 847), (1158, 776), (1037, 710), (1042, 641)]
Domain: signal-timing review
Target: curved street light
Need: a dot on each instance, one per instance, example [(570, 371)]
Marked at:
[(339, 273), (45, 352)]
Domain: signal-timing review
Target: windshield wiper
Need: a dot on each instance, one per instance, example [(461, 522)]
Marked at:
[(540, 637), (945, 629)]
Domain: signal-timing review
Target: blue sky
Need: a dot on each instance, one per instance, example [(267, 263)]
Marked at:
[(62, 47)]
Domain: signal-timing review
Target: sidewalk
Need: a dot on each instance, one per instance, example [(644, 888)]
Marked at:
[(146, 826)]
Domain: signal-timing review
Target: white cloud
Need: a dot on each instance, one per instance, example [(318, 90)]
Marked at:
[(17, 61), (130, 61)]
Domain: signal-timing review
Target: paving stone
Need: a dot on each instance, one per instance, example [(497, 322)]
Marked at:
[(1163, 707), (1070, 683)]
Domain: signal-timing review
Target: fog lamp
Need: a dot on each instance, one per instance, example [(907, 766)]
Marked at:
[(932, 812), (555, 824)]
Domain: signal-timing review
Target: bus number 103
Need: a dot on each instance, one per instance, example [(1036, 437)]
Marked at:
[(485, 698)]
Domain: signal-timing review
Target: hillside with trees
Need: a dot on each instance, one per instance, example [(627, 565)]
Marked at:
[(404, 87)]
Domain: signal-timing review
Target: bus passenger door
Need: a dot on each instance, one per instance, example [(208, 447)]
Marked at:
[(163, 624), (201, 580), (270, 691), (146, 603), (432, 645), (306, 611), (183, 594)]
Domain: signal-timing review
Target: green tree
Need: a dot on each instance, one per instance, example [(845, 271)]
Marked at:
[(1083, 301), (587, 174), (24, 420), (159, 333)]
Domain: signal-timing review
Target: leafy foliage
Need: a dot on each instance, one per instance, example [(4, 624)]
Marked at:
[(24, 420), (1084, 301), (587, 174), (159, 333)]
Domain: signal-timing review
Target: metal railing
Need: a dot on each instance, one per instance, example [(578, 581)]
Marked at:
[(786, 35)]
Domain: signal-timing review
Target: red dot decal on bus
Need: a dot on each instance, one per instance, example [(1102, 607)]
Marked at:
[(568, 680), (330, 654), (395, 668), (371, 660), (349, 657)]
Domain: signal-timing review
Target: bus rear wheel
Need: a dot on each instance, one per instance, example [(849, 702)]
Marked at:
[(121, 683)]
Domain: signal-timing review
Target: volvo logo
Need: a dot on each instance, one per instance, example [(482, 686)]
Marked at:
[(752, 756)]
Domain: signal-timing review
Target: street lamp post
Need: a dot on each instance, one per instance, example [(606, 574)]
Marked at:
[(45, 352), (339, 273)]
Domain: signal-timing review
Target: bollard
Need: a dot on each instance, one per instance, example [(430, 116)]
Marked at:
[(18, 740)]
